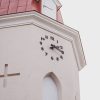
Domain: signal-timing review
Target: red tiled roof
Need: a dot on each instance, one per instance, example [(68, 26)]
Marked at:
[(15, 6)]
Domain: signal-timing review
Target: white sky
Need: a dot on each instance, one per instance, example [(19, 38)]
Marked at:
[(84, 15)]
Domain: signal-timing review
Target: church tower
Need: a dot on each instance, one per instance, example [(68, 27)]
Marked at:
[(40, 57)]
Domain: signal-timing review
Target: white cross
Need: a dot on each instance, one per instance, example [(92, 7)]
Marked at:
[(5, 75)]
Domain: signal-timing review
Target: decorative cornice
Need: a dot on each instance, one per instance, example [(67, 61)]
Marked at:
[(48, 24)]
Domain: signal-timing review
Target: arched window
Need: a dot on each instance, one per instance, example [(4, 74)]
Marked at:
[(50, 88)]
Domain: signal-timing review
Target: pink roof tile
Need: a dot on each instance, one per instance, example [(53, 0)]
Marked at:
[(0, 2), (4, 4), (59, 16), (29, 2), (13, 7), (21, 9), (3, 11), (16, 6), (11, 11), (11, 1), (22, 3)]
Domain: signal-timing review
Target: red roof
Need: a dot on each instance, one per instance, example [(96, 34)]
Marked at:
[(15, 6)]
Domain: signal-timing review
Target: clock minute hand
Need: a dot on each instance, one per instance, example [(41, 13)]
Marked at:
[(56, 47)]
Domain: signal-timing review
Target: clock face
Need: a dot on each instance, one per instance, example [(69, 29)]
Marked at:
[(51, 47)]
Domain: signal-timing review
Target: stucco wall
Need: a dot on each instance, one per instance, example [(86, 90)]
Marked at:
[(20, 49)]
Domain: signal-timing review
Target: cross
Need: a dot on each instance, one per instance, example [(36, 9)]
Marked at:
[(5, 75)]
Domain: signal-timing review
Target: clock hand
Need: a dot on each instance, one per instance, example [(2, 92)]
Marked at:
[(59, 50), (56, 47), (52, 47)]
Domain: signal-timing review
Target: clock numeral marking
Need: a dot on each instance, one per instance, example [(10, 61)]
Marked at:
[(46, 36), (51, 47), (57, 59), (46, 53), (61, 57), (42, 38), (61, 47), (52, 58), (62, 52), (42, 48), (52, 38), (40, 43), (57, 41)]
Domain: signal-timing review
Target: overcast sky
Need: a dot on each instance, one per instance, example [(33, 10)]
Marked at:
[(84, 15)]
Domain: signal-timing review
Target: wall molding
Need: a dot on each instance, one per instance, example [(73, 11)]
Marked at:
[(48, 24)]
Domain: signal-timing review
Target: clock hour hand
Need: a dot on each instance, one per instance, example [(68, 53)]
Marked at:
[(56, 47)]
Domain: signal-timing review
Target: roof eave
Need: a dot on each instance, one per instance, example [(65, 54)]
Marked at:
[(47, 23)]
